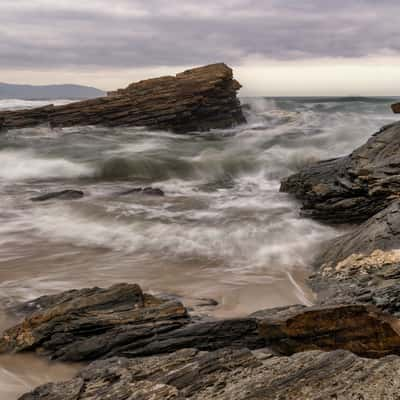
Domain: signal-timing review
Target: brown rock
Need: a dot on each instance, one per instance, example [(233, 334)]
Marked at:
[(198, 99), (396, 108), (231, 374), (361, 329)]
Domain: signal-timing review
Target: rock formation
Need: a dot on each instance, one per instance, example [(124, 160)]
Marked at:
[(95, 323), (231, 374), (195, 100), (67, 194), (363, 265), (355, 187), (396, 108)]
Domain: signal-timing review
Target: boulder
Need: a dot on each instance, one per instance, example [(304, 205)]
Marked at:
[(355, 187), (194, 100), (396, 108), (363, 265), (231, 374), (67, 194)]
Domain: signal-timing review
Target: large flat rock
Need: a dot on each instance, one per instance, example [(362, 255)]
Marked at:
[(194, 100), (231, 374), (355, 187)]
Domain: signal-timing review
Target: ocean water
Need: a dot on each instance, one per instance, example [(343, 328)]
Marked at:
[(223, 230)]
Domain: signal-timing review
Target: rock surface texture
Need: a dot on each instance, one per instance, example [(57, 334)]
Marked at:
[(363, 266), (195, 100), (229, 374), (88, 324), (355, 187)]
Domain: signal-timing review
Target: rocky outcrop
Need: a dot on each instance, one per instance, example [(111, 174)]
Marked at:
[(96, 323), (68, 194), (122, 321), (195, 100), (396, 108), (355, 187), (231, 374), (89, 323), (363, 265), (297, 328)]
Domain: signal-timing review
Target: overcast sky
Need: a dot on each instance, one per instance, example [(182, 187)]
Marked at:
[(277, 47)]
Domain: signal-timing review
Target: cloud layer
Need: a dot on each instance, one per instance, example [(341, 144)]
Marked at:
[(48, 34)]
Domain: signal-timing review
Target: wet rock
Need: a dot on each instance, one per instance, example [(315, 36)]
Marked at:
[(361, 329), (352, 188), (396, 108), (198, 99), (61, 195), (122, 321), (148, 191), (89, 323), (231, 374), (363, 265)]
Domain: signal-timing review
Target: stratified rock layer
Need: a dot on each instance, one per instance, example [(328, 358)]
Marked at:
[(363, 265), (231, 374), (198, 99), (98, 323), (352, 188)]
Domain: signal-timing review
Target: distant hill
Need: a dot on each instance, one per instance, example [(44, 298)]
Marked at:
[(30, 92)]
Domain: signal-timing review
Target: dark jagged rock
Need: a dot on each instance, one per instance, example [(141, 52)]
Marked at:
[(89, 323), (363, 265), (396, 108), (198, 99), (98, 323), (148, 191), (352, 188), (231, 374), (61, 195), (95, 323)]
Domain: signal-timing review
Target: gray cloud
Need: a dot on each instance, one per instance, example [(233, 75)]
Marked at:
[(40, 34)]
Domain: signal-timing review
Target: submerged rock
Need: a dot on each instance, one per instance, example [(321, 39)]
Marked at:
[(148, 191), (231, 374), (355, 187), (198, 99), (61, 195)]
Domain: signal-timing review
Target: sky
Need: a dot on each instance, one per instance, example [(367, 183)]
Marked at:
[(276, 47)]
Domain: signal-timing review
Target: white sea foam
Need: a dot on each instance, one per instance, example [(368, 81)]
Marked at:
[(25, 165)]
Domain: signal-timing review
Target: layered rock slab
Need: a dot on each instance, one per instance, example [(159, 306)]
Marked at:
[(88, 324), (355, 187), (231, 374), (97, 323), (195, 100)]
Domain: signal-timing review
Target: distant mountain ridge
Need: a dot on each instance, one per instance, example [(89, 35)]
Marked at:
[(47, 92)]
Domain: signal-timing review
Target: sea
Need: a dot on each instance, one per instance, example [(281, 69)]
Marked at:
[(222, 231)]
